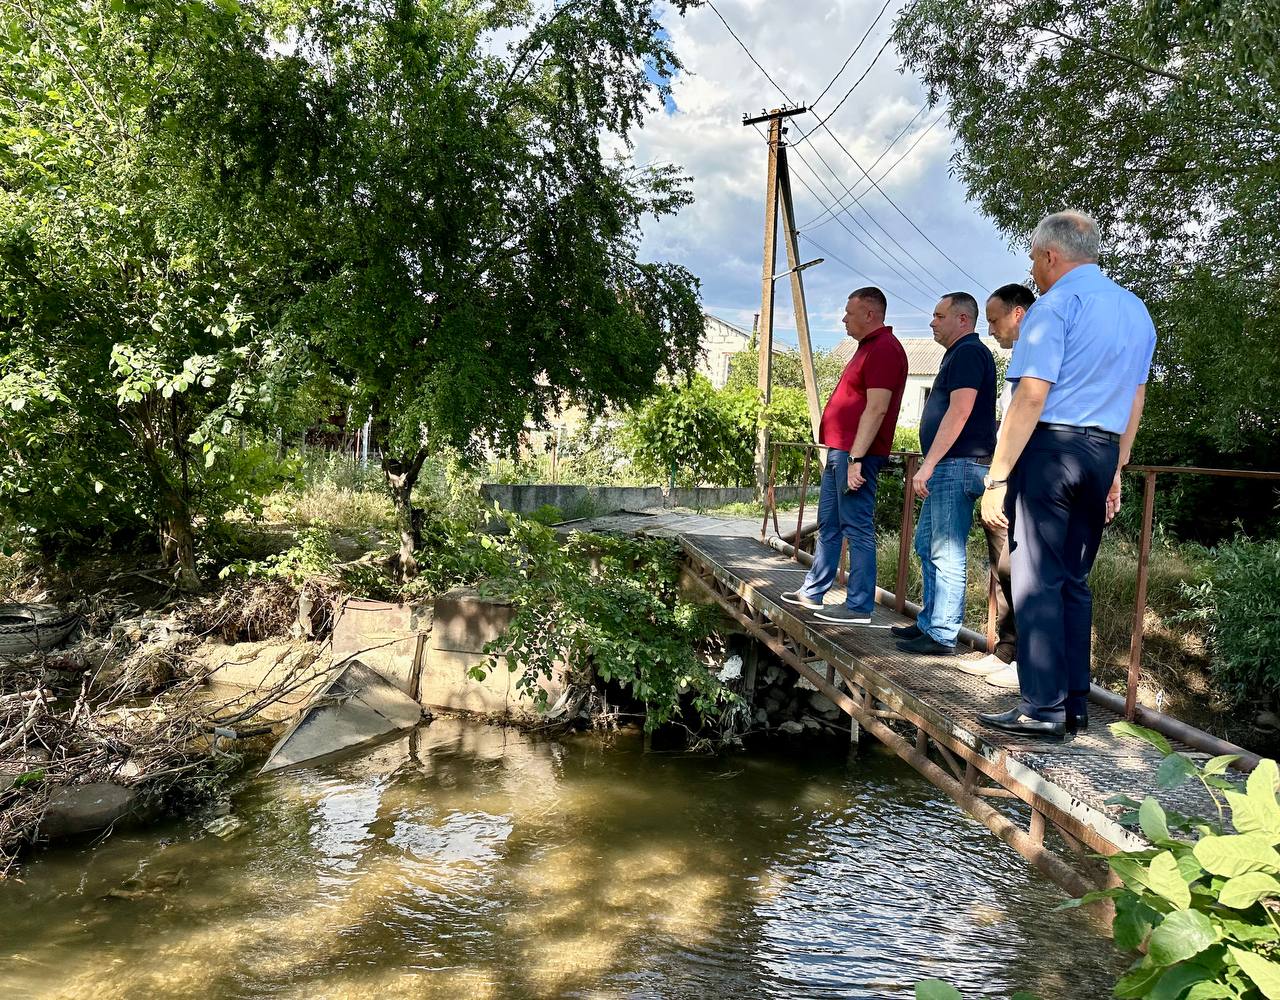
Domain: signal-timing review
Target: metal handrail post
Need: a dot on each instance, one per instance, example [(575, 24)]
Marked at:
[(1140, 600), (993, 607), (904, 539), (804, 492)]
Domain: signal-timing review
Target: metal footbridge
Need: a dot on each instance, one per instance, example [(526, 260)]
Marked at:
[(1051, 802)]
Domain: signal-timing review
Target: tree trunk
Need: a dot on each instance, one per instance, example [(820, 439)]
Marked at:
[(402, 476), (178, 542)]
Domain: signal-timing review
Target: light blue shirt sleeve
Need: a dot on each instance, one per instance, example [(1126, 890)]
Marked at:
[(1041, 343)]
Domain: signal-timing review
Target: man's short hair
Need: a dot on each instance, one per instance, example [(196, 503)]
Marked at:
[(1014, 294), (964, 302), (1072, 234), (871, 294)]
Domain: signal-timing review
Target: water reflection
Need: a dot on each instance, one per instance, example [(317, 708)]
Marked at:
[(470, 861)]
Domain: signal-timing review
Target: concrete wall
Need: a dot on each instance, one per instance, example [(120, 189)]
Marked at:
[(464, 623), (525, 498)]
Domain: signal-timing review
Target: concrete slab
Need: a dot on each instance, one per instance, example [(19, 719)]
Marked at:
[(358, 707), (465, 622), (387, 637)]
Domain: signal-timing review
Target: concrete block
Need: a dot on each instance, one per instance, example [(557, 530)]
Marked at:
[(359, 706), (464, 621), (389, 638)]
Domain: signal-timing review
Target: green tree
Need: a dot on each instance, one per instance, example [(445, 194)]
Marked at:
[(744, 370), (136, 286), (700, 436), (1160, 118), (475, 245)]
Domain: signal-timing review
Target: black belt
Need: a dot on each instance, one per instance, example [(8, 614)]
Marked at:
[(1094, 432)]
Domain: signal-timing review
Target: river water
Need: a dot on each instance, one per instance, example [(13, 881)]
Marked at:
[(471, 861)]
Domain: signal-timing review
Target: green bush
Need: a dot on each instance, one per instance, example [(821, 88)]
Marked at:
[(1239, 605), (698, 435), (1199, 904)]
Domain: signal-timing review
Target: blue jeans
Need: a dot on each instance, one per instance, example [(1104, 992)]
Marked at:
[(843, 516), (941, 536)]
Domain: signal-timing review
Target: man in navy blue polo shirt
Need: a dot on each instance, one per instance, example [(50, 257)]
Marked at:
[(957, 436), (1081, 365)]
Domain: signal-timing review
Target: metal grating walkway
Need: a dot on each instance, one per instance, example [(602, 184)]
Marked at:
[(1066, 785)]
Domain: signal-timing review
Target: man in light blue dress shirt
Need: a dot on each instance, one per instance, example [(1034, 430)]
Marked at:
[(1081, 366)]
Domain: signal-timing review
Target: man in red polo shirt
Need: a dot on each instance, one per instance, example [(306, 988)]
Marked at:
[(857, 428)]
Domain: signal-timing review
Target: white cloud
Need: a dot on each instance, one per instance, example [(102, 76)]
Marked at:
[(720, 236)]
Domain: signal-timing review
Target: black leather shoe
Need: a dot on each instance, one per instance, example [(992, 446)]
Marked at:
[(1013, 721), (911, 631), (925, 645), (1077, 723)]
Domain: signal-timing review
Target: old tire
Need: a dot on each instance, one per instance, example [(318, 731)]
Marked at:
[(29, 628)]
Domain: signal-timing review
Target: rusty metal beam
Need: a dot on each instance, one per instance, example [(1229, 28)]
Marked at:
[(1004, 828)]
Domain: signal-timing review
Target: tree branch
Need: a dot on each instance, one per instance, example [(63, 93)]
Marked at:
[(1111, 54)]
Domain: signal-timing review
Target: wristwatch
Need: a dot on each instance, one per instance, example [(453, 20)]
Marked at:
[(991, 484), (855, 459)]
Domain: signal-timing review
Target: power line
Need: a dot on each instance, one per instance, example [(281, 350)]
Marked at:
[(743, 45), (925, 131), (823, 121), (840, 260), (884, 194), (897, 270), (919, 264), (827, 129), (866, 246), (861, 41), (885, 152)]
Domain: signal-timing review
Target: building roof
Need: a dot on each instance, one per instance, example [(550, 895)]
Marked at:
[(724, 322), (924, 354)]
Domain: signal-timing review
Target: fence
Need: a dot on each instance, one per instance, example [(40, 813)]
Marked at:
[(1149, 473)]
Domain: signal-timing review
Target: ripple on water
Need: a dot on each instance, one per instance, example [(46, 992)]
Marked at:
[(471, 861)]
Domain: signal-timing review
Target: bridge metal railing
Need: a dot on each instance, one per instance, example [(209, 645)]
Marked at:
[(911, 459)]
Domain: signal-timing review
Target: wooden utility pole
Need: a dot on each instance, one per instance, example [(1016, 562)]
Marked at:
[(778, 189)]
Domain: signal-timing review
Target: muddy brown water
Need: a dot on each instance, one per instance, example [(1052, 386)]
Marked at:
[(471, 861)]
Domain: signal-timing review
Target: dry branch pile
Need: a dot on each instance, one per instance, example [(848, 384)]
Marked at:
[(124, 702)]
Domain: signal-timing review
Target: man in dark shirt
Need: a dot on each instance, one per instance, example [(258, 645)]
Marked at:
[(857, 428), (957, 436)]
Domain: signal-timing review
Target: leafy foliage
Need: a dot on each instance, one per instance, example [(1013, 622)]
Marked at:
[(1169, 85), (787, 371), (603, 607), (698, 435), (474, 247), (1202, 900), (1238, 604), (136, 284)]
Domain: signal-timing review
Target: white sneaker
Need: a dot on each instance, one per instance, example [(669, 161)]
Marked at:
[(989, 664), (1006, 678)]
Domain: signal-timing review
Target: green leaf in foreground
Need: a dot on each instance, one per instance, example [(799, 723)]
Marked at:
[(1265, 974), (1181, 935), (1175, 981), (1174, 770), (936, 989), (1155, 827), (1237, 854), (1137, 982), (1165, 878), (1243, 891), (1142, 733)]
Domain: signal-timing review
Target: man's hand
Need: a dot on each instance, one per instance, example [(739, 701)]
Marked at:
[(993, 508), (856, 478), (1113, 498), (921, 481)]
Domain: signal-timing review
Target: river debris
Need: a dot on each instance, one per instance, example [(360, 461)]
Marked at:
[(120, 717)]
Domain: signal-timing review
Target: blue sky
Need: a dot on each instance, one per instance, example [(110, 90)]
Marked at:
[(719, 238)]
